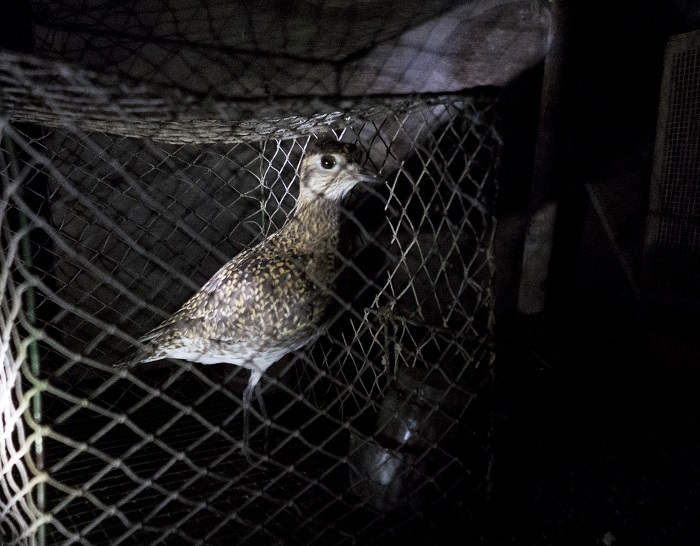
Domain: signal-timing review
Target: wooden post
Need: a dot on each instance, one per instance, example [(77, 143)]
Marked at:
[(546, 183)]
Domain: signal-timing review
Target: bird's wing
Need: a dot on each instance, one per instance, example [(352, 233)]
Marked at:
[(242, 300)]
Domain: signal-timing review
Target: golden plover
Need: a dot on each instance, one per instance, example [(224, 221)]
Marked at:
[(272, 298)]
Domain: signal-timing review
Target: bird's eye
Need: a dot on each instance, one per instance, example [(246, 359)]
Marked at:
[(327, 161)]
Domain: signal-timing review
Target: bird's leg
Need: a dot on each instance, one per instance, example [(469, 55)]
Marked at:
[(255, 376), (263, 412)]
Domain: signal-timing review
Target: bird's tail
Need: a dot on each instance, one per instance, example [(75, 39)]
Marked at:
[(145, 350), (133, 359)]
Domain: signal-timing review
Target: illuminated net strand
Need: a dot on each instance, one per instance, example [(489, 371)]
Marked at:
[(19, 475)]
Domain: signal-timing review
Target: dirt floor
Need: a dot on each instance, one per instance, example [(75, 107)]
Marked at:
[(597, 435)]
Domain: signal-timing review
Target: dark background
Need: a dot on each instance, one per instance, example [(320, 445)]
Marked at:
[(596, 430), (597, 433)]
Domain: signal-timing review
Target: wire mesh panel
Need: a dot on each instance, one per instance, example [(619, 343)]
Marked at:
[(362, 421), (131, 177), (673, 231)]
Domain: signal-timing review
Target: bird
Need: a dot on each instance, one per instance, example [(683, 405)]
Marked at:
[(272, 298)]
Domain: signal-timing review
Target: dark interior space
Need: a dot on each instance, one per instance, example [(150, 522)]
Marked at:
[(596, 420), (593, 421)]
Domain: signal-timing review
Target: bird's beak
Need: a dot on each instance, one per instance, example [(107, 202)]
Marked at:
[(369, 176)]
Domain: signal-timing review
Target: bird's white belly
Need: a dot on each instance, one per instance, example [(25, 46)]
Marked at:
[(240, 354)]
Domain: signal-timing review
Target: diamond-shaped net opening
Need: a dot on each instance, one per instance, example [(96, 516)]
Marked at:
[(122, 197)]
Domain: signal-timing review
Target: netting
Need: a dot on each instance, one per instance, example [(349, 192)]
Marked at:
[(141, 148), (673, 230)]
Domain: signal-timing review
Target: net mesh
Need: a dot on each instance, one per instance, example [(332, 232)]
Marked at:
[(143, 147), (673, 231)]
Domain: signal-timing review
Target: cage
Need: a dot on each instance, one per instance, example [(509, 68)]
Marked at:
[(672, 249), (142, 147)]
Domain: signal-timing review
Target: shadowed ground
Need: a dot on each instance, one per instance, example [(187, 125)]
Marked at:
[(597, 433)]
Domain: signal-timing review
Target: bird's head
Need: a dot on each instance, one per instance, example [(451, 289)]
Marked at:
[(331, 169)]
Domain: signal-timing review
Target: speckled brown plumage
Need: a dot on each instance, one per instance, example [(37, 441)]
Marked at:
[(269, 296), (270, 299)]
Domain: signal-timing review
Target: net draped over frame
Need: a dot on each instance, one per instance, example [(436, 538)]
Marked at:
[(145, 144)]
